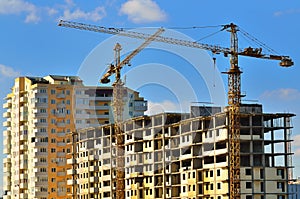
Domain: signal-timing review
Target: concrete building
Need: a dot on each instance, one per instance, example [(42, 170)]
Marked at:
[(176, 156), (40, 114), (294, 189)]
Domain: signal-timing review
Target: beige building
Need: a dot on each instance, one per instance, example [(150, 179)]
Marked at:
[(40, 114), (177, 156)]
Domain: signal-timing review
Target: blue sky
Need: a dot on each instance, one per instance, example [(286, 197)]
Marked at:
[(31, 43)]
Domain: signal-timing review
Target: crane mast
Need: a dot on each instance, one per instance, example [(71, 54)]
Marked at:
[(118, 107), (234, 100), (234, 83)]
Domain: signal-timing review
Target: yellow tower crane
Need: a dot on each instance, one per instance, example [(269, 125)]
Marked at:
[(118, 106), (234, 82)]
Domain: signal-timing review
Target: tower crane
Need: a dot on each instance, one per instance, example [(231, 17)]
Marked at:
[(234, 82), (118, 105)]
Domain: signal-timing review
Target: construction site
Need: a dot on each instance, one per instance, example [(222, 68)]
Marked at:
[(116, 151)]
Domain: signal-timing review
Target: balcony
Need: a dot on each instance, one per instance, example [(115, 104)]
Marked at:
[(94, 168), (7, 123), (71, 172), (61, 134), (71, 161), (60, 115), (41, 144), (71, 182), (93, 157), (61, 173), (61, 105), (94, 190), (40, 164), (60, 154), (61, 144), (23, 165), (95, 107), (23, 136), (6, 196), (23, 176), (40, 154), (6, 114), (23, 128), (41, 105), (41, 134), (7, 149), (23, 157), (23, 109), (23, 195), (101, 98), (94, 179), (99, 116), (7, 105), (6, 133), (41, 124), (60, 95), (7, 141), (61, 124), (23, 99), (6, 160), (39, 194), (23, 185), (23, 118)]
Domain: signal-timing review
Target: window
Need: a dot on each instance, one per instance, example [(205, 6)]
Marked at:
[(68, 102), (53, 130), (53, 140), (52, 92), (219, 185), (218, 172), (42, 120), (248, 185), (52, 101), (68, 92), (248, 171), (53, 169), (53, 150), (248, 197), (218, 134), (211, 173), (52, 179), (211, 186)]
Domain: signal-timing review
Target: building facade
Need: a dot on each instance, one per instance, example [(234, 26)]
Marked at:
[(40, 114), (294, 189), (172, 156)]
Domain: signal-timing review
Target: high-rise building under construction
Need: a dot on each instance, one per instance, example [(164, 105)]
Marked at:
[(173, 155), (41, 112)]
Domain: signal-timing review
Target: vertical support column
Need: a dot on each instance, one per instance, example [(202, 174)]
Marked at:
[(118, 94)]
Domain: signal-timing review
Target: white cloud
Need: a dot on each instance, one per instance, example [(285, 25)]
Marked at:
[(286, 12), (283, 94), (8, 72), (8, 7), (140, 11), (94, 15), (165, 106), (296, 139), (297, 152)]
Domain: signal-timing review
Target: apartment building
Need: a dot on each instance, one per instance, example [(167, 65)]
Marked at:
[(294, 189), (171, 155), (40, 114)]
